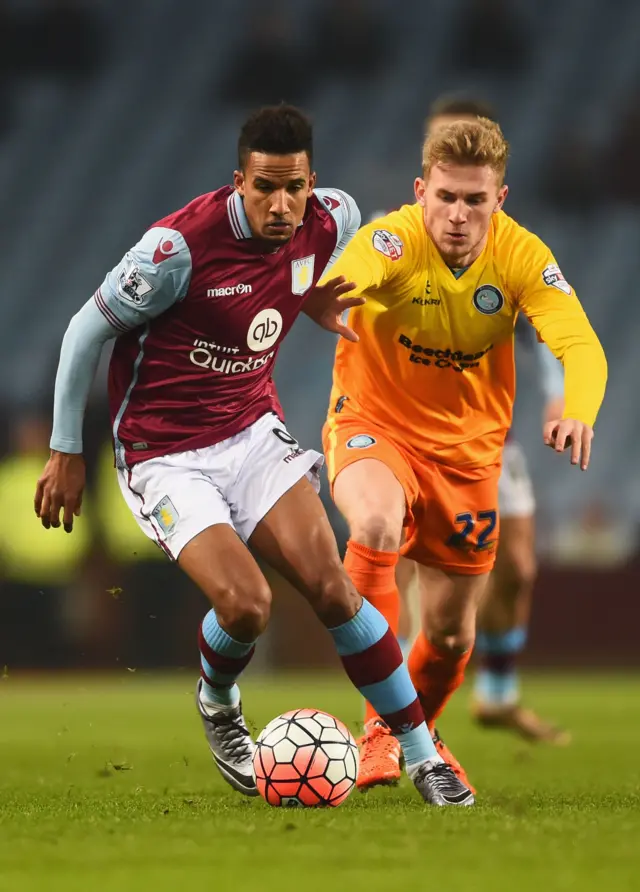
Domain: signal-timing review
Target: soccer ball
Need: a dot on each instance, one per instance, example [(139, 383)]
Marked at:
[(305, 758)]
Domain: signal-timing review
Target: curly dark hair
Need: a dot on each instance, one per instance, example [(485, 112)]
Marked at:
[(276, 130)]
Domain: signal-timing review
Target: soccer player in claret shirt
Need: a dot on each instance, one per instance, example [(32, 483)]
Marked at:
[(503, 617), (421, 406), (199, 308)]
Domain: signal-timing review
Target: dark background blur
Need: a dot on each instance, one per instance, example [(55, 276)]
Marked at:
[(113, 114)]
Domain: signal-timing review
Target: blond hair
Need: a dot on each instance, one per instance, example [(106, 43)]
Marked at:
[(475, 143)]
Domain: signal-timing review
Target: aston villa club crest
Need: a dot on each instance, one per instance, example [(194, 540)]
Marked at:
[(302, 274)]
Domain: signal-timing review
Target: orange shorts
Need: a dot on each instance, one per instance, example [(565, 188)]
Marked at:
[(452, 513)]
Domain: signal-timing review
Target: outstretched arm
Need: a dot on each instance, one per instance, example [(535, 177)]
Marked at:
[(145, 283), (553, 308)]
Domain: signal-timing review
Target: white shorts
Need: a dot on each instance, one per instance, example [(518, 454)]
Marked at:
[(515, 488), (236, 482)]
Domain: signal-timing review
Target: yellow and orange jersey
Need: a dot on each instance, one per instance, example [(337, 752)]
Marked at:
[(435, 360)]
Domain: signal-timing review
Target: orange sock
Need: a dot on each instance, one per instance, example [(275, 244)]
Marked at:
[(436, 673), (374, 575)]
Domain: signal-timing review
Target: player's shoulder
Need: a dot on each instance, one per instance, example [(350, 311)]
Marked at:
[(201, 213), (510, 237), (396, 233), (337, 205)]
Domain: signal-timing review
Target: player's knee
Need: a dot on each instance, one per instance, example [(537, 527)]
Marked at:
[(378, 529), (456, 635), (336, 600), (244, 614), (522, 569)]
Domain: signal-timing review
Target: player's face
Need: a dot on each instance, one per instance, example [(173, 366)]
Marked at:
[(275, 189), (458, 201)]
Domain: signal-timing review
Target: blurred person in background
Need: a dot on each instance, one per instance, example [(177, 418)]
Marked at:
[(36, 572), (421, 406)]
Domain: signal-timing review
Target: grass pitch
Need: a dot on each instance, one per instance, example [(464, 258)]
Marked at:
[(108, 786)]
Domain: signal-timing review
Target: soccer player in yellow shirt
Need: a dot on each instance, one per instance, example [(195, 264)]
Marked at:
[(503, 617), (421, 406)]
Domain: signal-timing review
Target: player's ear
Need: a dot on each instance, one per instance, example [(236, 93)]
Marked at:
[(502, 194), (420, 188), (238, 181), (312, 181)]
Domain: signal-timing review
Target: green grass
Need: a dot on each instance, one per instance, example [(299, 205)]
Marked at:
[(108, 786)]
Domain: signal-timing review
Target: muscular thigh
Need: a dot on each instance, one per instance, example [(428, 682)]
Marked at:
[(296, 539), (222, 567), (373, 483)]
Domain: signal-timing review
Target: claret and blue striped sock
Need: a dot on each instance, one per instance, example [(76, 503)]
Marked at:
[(373, 661), (222, 659), (496, 680)]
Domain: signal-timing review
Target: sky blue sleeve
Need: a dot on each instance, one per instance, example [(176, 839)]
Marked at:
[(150, 278), (82, 345), (346, 213), (551, 372)]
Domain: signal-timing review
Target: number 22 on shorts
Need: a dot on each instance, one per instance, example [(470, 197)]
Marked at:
[(486, 523)]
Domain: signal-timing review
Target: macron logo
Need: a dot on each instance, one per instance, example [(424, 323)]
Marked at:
[(229, 291), (164, 251)]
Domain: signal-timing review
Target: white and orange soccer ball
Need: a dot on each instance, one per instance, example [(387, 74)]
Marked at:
[(305, 758)]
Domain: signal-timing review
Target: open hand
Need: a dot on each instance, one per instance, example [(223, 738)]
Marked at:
[(325, 305), (561, 434), (60, 487)]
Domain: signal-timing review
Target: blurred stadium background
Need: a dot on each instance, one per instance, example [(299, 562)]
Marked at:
[(112, 114)]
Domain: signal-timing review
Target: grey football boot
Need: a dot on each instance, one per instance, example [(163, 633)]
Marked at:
[(438, 784), (231, 745)]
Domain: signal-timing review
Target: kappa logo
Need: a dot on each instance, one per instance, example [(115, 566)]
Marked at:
[(302, 274), (552, 275), (164, 251), (264, 330), (488, 300), (388, 244)]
